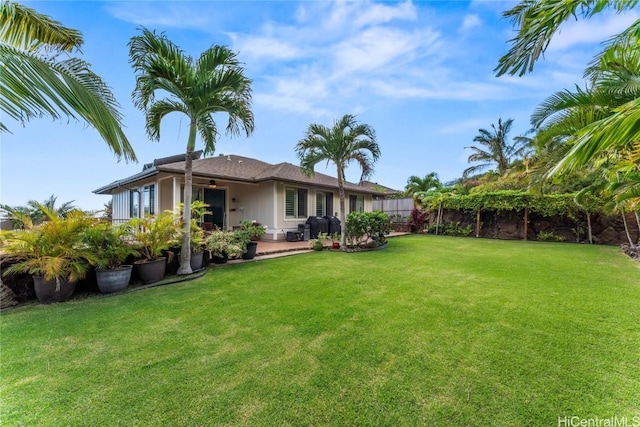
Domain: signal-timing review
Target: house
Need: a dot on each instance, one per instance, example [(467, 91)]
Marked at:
[(237, 188)]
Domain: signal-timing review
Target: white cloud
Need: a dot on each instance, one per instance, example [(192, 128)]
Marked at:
[(378, 47), (151, 14), (257, 47), (381, 13), (595, 30), (470, 22), (465, 91)]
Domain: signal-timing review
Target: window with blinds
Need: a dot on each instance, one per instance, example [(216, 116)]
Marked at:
[(295, 203)]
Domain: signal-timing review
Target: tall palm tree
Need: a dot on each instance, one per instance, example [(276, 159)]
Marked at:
[(36, 83), (497, 151), (346, 141), (198, 88)]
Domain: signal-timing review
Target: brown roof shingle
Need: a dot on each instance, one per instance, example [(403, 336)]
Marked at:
[(241, 168)]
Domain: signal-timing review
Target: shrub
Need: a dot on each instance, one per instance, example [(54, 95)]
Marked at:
[(361, 227), (550, 237), (417, 220), (452, 229)]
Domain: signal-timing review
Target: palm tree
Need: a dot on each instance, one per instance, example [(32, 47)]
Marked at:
[(347, 140), (36, 212), (497, 151), (616, 135), (36, 83), (214, 83), (418, 187), (569, 116)]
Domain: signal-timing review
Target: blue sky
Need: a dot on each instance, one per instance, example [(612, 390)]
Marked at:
[(420, 73)]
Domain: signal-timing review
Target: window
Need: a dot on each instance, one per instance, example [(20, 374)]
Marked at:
[(295, 205), (149, 199), (324, 203), (134, 203), (356, 203)]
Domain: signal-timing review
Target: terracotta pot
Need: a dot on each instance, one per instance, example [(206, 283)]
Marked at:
[(49, 291), (151, 271), (115, 280), (335, 245)]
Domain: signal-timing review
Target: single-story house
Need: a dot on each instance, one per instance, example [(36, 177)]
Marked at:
[(238, 188)]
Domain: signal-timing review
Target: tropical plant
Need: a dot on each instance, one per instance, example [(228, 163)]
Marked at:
[(538, 21), (198, 210), (346, 141), (497, 150), (36, 212), (318, 243), (417, 187), (154, 234), (53, 250), (108, 245), (599, 134), (222, 243), (36, 83), (214, 83), (417, 220)]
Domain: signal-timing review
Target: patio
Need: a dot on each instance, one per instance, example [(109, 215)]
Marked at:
[(271, 249)]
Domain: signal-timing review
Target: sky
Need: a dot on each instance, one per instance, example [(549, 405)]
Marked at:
[(419, 72)]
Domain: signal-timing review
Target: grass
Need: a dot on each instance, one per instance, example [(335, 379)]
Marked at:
[(430, 331)]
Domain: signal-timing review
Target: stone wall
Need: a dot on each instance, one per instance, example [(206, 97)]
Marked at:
[(606, 230)]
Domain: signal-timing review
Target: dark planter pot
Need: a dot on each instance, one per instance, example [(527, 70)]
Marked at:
[(220, 259), (335, 245), (151, 271), (252, 247), (117, 280), (196, 260), (46, 290)]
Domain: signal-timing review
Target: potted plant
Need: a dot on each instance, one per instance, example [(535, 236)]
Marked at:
[(249, 234), (335, 240), (222, 245), (197, 245), (318, 243), (109, 248), (52, 252), (152, 235)]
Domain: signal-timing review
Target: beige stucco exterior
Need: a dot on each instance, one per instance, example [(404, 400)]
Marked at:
[(262, 202)]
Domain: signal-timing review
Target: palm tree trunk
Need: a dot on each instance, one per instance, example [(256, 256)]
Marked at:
[(438, 218), (589, 228), (626, 229), (478, 223), (185, 252), (343, 235)]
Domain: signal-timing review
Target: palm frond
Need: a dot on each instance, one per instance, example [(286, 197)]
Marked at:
[(35, 86), (24, 28), (538, 21)]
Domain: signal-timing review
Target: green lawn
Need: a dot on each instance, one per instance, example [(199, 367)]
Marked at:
[(430, 331)]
